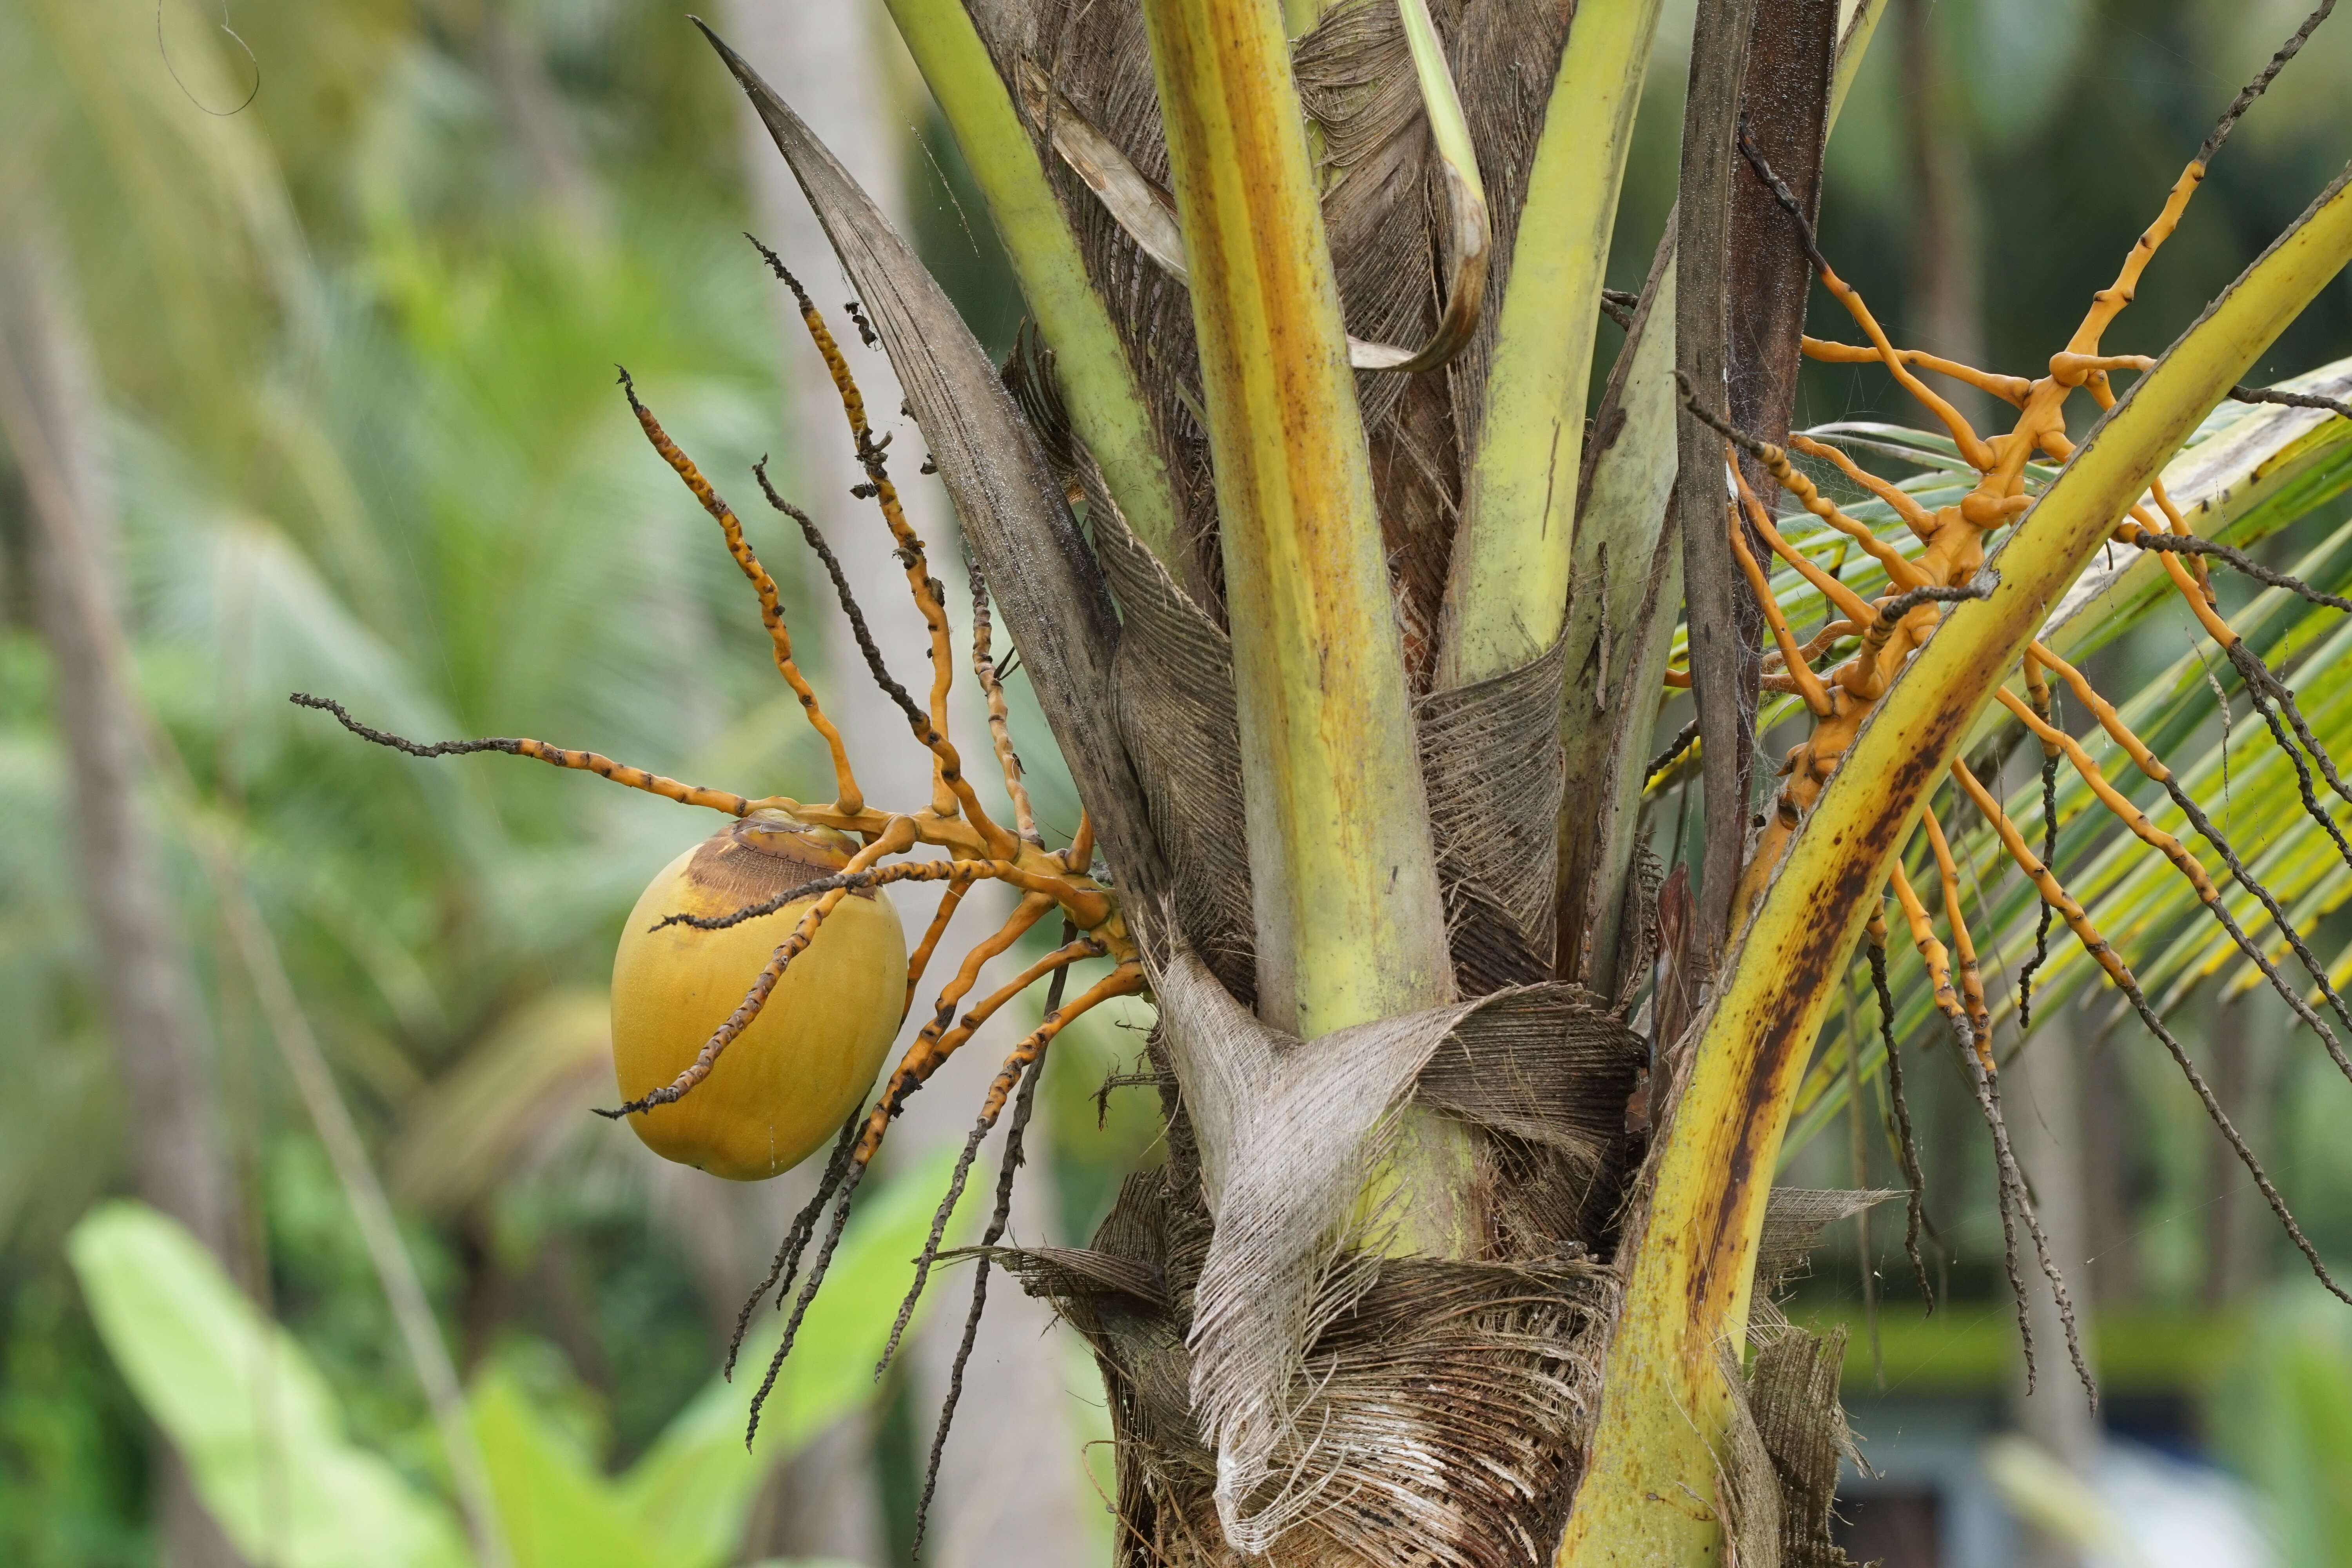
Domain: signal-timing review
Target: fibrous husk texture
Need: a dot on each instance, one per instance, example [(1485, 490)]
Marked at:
[(1792, 1401), (1491, 764), (1777, 1474), (1172, 701), (1794, 1219), (1323, 1404), (1434, 1413), (1288, 1134)]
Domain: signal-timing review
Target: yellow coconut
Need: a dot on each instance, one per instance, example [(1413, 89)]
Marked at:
[(782, 1089)]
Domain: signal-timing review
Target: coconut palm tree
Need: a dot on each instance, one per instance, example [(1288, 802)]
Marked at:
[(1352, 628)]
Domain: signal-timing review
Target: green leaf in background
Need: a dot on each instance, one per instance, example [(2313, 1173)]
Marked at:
[(2284, 1418), (263, 1435), (557, 1511), (693, 1487), (260, 1429)]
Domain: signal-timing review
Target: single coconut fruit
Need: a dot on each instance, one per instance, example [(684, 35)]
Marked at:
[(783, 1088)]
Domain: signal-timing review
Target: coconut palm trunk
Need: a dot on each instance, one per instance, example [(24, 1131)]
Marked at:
[(1321, 290)]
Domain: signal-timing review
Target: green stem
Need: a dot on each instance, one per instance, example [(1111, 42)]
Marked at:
[(1349, 923), (1666, 1406), (1506, 593), (1098, 384)]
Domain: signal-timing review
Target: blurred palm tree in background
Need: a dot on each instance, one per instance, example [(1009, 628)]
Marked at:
[(312, 325)]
